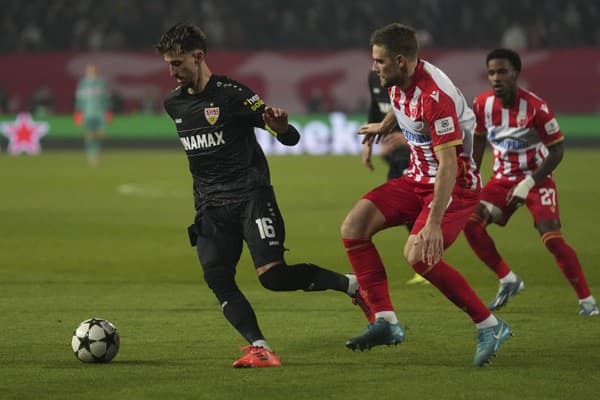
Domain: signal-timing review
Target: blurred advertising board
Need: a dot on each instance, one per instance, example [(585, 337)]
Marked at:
[(333, 133), (566, 78)]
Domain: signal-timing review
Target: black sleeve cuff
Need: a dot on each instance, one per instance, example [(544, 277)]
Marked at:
[(290, 137)]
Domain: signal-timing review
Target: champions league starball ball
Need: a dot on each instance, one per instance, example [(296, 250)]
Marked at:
[(95, 341)]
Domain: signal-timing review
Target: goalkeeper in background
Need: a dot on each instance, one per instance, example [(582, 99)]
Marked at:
[(92, 110)]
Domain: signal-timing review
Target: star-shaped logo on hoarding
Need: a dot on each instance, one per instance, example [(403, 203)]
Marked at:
[(24, 134)]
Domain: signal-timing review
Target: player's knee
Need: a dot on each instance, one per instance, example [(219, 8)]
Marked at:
[(413, 257), (554, 241), (363, 221), (275, 278), (348, 229), (220, 280)]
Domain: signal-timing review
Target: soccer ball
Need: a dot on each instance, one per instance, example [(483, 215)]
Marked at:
[(95, 340)]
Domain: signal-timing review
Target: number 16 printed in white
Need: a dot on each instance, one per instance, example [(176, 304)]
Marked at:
[(265, 227)]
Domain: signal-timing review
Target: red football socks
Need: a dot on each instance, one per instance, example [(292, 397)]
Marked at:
[(454, 286), (483, 245), (567, 261), (370, 272)]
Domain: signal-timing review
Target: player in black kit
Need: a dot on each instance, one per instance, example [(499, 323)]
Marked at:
[(394, 149), (215, 118)]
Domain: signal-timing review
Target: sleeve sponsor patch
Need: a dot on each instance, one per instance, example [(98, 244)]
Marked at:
[(551, 127), (444, 126), (254, 102)]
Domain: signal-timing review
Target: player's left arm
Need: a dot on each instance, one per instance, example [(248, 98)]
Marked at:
[(446, 134), (250, 107), (431, 234), (519, 193), (552, 137), (276, 122), (555, 156)]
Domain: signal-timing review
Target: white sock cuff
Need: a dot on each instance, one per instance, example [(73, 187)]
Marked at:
[(509, 278), (589, 299), (352, 284), (488, 322), (262, 343), (389, 316)]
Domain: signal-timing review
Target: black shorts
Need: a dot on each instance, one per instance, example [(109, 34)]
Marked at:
[(222, 230)]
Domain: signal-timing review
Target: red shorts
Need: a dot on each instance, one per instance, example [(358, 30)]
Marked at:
[(403, 201), (542, 200)]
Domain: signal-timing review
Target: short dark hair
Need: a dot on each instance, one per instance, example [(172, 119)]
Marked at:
[(182, 38), (507, 54), (397, 39)]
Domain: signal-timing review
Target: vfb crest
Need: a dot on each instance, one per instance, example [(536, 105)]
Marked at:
[(212, 114)]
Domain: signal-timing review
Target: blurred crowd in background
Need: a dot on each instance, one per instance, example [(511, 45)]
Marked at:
[(296, 24), (98, 25)]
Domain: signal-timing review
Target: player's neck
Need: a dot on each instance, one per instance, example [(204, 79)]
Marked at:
[(204, 75), (410, 73), (509, 100)]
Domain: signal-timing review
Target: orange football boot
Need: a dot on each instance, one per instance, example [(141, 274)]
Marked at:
[(257, 357)]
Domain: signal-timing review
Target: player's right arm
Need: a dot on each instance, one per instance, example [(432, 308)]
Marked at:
[(479, 142), (366, 155), (480, 134)]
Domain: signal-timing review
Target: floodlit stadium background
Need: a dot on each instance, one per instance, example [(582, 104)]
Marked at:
[(309, 57), (78, 242)]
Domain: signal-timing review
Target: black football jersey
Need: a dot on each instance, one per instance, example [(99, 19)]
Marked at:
[(216, 130)]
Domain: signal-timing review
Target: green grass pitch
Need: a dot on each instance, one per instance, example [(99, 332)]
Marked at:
[(78, 242)]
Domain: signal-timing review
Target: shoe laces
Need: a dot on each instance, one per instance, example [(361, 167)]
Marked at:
[(505, 289), (252, 349)]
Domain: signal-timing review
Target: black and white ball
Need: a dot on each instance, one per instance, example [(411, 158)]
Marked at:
[(95, 340)]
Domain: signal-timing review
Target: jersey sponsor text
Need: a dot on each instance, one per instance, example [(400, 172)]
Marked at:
[(203, 141)]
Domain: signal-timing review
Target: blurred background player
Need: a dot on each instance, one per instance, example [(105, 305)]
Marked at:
[(394, 149), (215, 118), (528, 145), (92, 110)]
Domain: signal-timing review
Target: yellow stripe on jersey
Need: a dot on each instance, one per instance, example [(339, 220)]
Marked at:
[(554, 142), (271, 130), (446, 145)]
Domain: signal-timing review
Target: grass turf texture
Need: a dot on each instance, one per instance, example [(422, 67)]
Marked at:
[(77, 243)]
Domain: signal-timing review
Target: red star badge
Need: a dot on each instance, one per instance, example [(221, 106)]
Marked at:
[(24, 134)]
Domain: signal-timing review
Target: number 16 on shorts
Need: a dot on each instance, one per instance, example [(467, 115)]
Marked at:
[(265, 227)]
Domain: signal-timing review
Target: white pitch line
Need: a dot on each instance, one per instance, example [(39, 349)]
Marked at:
[(147, 190)]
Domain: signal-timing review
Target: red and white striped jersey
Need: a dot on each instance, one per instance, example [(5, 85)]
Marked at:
[(433, 114), (519, 135)]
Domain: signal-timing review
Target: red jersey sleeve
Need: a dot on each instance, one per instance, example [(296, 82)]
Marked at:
[(546, 125), (440, 113)]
